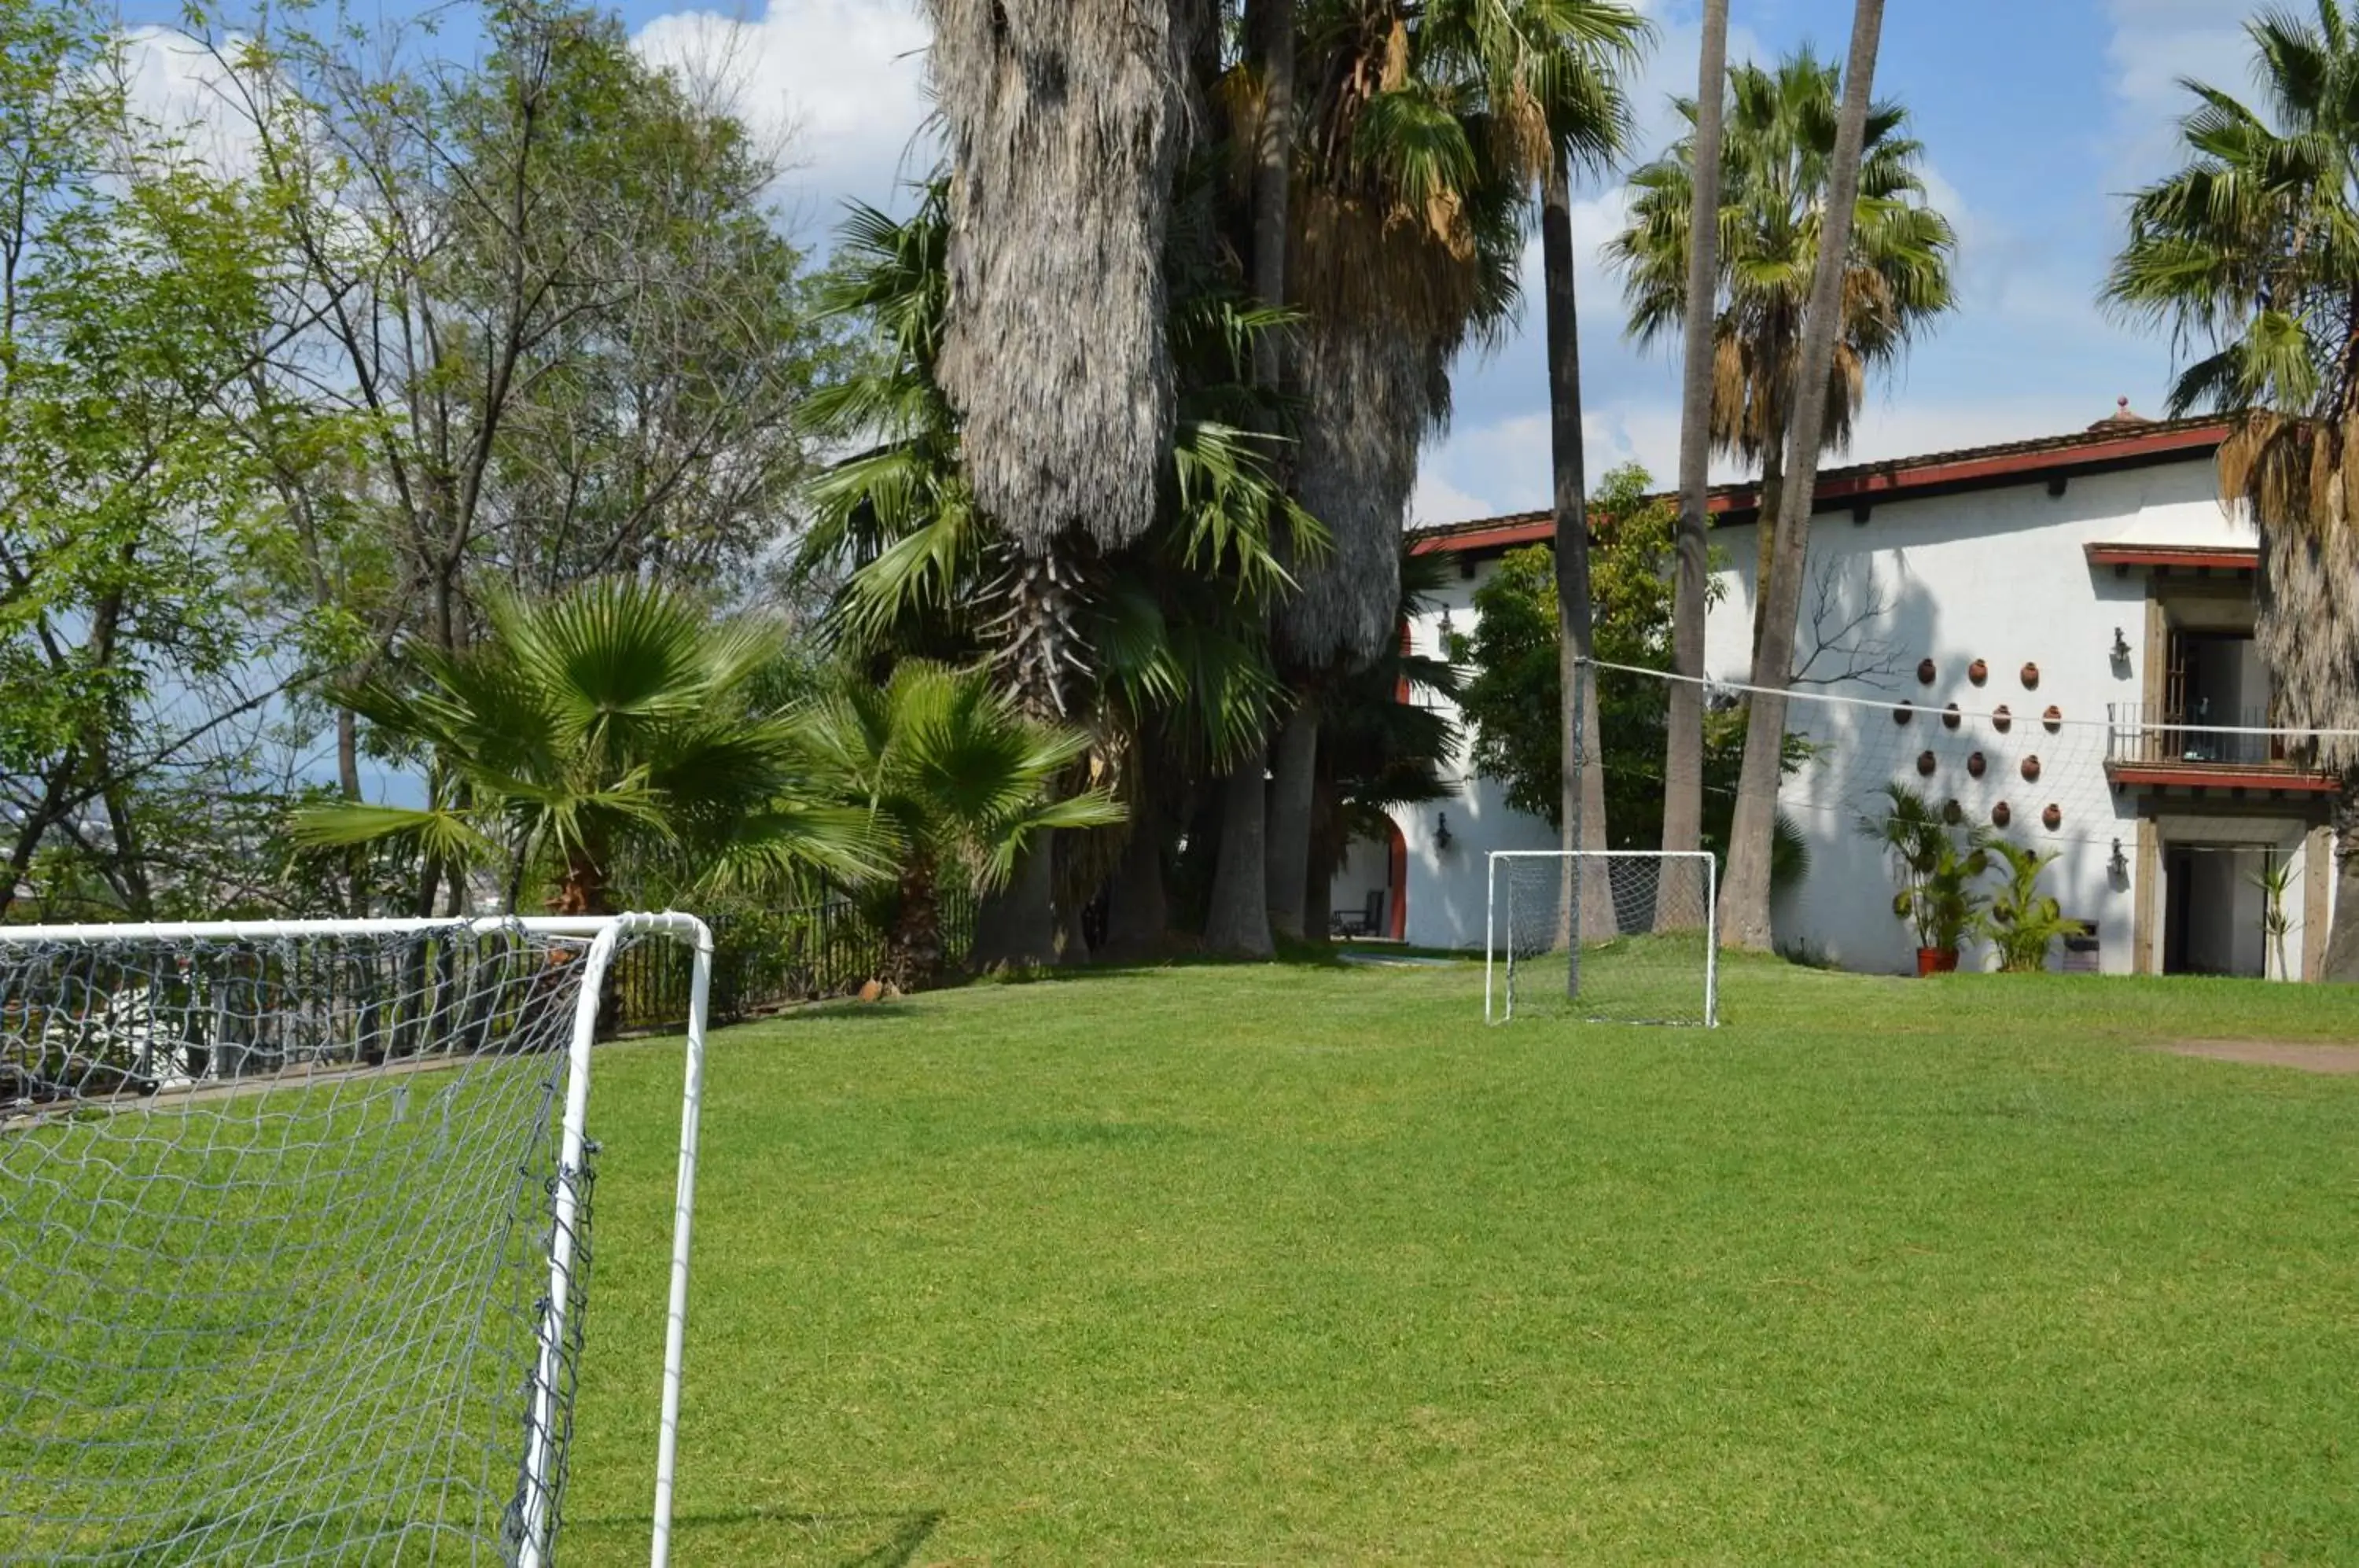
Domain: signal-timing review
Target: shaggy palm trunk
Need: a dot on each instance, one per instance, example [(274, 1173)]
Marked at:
[(2309, 635), (1744, 900), (1764, 529), (1066, 121), (1138, 911), (1583, 762), (1293, 778), (2341, 966), (1238, 921), (1683, 748), (1016, 928)]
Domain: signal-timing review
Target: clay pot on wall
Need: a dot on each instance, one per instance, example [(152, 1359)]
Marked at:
[(1978, 672), (2031, 770), (1951, 718), (1904, 713), (1952, 813), (1925, 763), (2002, 719), (2031, 677), (1976, 763), (2053, 817), (1926, 671), (2053, 718), (2001, 814)]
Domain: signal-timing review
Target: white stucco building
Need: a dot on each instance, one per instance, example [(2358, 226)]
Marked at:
[(2094, 587)]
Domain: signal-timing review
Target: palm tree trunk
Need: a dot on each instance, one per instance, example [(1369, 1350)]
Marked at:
[(1683, 752), (1583, 763), (1016, 928), (1138, 911), (914, 950), (1764, 529), (2341, 965), (1744, 900), (1238, 921), (1293, 777)]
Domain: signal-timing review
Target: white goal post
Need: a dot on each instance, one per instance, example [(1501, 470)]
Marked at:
[(295, 1236), (1619, 936)]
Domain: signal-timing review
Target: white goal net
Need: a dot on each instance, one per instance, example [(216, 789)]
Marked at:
[(296, 1237), (1611, 936)]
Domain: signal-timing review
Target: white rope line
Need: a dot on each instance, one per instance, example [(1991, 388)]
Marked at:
[(2140, 722)]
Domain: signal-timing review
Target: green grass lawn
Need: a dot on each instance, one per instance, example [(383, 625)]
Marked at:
[(1304, 1265)]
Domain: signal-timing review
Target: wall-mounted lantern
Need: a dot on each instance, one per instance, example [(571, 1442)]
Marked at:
[(2121, 647), (1442, 837), (2120, 864)]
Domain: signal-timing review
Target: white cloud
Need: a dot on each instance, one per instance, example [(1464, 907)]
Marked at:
[(178, 85), (838, 85), (2154, 44)]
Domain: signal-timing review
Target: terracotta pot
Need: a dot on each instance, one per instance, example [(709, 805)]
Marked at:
[(1926, 670), (2053, 817), (1978, 672), (1952, 813), (2001, 720), (2053, 718), (1936, 961), (2002, 814), (2031, 677), (1976, 763), (2031, 770), (1951, 718), (1925, 763), (1904, 713)]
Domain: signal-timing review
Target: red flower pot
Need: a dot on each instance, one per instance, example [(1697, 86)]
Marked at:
[(1936, 961)]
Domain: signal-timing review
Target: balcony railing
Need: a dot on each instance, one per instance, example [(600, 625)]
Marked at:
[(2202, 735)]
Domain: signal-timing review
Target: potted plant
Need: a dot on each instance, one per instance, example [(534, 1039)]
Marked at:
[(2021, 921), (1936, 867), (2274, 880)]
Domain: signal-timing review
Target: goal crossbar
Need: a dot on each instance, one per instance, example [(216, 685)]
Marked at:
[(603, 935)]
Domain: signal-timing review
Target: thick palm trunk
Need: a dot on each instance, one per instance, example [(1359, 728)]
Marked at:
[(1744, 900), (2341, 966), (1293, 778), (1683, 752), (1583, 762), (1016, 928), (1238, 921), (1764, 531), (913, 951), (1138, 910)]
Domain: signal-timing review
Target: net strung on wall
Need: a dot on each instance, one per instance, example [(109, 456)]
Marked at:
[(277, 1219)]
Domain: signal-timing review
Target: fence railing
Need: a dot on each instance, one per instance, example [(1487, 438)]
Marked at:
[(772, 961), (2201, 733)]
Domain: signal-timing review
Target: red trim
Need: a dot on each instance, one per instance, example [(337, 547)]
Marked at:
[(2213, 775), (1397, 875), (1872, 482), (2227, 558)]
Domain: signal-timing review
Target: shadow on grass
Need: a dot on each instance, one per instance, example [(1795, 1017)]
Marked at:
[(881, 1540)]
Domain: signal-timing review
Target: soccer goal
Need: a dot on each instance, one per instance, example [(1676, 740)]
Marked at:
[(294, 1237), (1612, 936)]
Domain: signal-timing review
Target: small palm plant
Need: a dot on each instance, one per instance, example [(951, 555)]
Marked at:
[(2023, 922), (2275, 880), (1936, 867), (617, 721), (958, 779)]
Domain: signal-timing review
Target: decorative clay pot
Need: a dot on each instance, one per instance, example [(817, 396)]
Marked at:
[(1936, 961), (2053, 718), (1976, 763), (2053, 817), (1904, 713), (2031, 770), (2002, 719), (2001, 814), (1925, 763), (1978, 672), (2031, 677), (1926, 671)]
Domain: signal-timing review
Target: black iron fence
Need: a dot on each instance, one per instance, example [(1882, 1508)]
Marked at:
[(772, 959)]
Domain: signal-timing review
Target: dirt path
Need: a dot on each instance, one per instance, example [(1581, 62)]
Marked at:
[(2306, 1058)]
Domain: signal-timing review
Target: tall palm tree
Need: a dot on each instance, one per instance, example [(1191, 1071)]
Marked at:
[(1684, 738), (956, 780), (1752, 838), (2251, 251), (1775, 163), (617, 720)]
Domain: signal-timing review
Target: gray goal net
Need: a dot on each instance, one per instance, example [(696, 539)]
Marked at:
[(1608, 936)]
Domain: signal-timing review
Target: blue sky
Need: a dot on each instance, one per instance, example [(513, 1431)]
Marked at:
[(2037, 115)]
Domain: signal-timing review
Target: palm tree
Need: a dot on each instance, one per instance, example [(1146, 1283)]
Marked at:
[(617, 721), (1744, 897), (1775, 167), (1684, 739), (956, 779), (2251, 253)]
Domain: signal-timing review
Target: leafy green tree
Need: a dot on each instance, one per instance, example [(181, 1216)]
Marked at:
[(2022, 922), (2249, 255), (958, 779), (617, 721)]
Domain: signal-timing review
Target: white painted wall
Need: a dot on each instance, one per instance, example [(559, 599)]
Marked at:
[(1999, 575)]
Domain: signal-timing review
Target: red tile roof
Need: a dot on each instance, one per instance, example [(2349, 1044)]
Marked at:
[(2109, 444)]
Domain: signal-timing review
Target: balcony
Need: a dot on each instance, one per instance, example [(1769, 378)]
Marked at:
[(2207, 749)]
